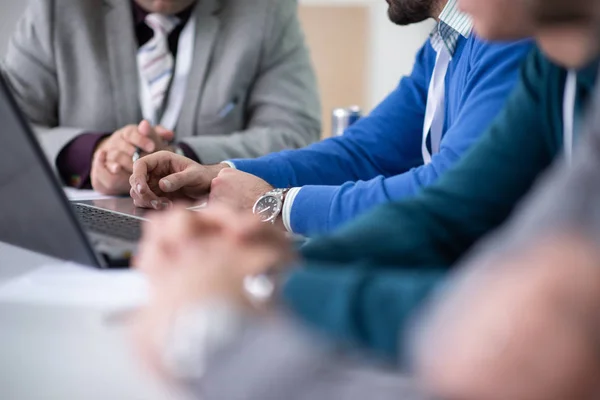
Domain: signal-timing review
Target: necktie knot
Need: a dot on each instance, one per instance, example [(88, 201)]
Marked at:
[(161, 24)]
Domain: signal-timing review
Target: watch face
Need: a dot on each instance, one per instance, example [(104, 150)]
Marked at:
[(267, 208)]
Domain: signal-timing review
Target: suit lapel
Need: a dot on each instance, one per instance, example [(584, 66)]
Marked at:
[(207, 28), (121, 50)]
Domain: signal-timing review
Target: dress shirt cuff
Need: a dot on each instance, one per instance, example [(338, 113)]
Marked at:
[(286, 213), (230, 163), (188, 152), (310, 211), (74, 162)]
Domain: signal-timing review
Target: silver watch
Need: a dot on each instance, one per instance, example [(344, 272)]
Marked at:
[(269, 206)]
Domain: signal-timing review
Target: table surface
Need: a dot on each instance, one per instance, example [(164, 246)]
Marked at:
[(65, 353)]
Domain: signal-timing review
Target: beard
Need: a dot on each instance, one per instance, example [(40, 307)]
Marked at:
[(407, 12)]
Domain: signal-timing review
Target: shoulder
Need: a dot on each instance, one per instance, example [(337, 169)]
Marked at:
[(64, 12), (256, 8), (259, 14), (483, 49), (539, 72)]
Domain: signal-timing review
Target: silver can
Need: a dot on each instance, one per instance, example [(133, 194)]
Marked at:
[(343, 118)]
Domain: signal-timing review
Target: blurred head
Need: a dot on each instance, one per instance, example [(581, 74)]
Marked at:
[(406, 12), (521, 326), (567, 30), (499, 19), (167, 7)]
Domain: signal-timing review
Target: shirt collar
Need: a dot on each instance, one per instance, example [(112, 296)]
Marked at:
[(139, 14), (452, 24)]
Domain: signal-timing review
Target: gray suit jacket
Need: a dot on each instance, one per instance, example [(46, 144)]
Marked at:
[(72, 65), (279, 359)]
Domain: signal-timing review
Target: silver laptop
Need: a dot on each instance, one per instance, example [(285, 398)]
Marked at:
[(35, 213)]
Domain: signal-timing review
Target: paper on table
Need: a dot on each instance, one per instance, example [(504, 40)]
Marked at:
[(82, 195), (78, 286)]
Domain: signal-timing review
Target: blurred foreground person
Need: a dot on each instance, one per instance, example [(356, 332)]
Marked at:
[(224, 336), (522, 321), (521, 325)]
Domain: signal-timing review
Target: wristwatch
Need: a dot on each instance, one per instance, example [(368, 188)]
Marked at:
[(269, 206)]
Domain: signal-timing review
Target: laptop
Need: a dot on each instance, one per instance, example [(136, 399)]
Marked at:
[(35, 213)]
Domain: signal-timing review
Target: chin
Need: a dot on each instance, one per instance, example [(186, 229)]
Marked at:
[(499, 33), (569, 48), (167, 7), (569, 57)]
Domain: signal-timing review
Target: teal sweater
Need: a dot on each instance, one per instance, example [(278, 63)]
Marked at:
[(364, 282)]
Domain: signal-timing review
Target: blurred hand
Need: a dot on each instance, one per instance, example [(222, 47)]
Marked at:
[(105, 181), (216, 243), (525, 328), (162, 178), (119, 149), (193, 259), (237, 189)]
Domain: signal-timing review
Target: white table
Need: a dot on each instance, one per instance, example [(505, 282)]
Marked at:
[(65, 353), (15, 261)]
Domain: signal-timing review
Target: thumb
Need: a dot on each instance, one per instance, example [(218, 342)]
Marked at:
[(100, 157), (174, 182), (164, 133), (144, 128)]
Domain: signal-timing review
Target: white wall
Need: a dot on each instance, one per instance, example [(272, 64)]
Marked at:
[(393, 50), (392, 47)]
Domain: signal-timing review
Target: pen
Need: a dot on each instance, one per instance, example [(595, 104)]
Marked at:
[(228, 109), (137, 154)]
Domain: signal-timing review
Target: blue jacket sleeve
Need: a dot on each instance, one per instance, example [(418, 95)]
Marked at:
[(494, 72), (387, 142)]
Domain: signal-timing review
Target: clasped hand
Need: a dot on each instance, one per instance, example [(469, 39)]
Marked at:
[(112, 164)]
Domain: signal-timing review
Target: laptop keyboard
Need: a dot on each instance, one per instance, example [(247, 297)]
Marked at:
[(108, 223)]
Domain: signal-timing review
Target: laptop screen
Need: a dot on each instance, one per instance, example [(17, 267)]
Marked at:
[(34, 212)]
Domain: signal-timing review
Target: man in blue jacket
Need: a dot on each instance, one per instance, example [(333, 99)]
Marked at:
[(458, 85)]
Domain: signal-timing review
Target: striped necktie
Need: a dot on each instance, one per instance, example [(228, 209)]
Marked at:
[(155, 61)]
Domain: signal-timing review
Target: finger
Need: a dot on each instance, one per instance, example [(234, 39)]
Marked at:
[(142, 169), (164, 133), (145, 128), (174, 182), (215, 218), (140, 175), (141, 193), (157, 134), (99, 158), (113, 167), (99, 164), (123, 160), (172, 229), (135, 138), (126, 147), (179, 222), (98, 168), (151, 200), (150, 249)]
